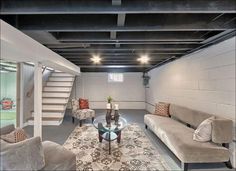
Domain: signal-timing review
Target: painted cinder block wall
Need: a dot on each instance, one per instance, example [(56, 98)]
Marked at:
[(204, 81), (129, 94)]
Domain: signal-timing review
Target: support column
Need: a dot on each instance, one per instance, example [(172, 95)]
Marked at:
[(38, 99)]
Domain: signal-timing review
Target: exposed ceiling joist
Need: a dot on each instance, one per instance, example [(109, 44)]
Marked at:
[(106, 7), (126, 23), (84, 44), (124, 57), (113, 35), (131, 36), (116, 2), (120, 31), (132, 47), (118, 53)]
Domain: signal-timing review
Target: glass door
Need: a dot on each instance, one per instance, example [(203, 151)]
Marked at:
[(8, 83)]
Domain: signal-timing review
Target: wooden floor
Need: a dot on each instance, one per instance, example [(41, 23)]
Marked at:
[(59, 134)]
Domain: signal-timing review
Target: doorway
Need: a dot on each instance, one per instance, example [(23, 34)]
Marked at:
[(8, 93)]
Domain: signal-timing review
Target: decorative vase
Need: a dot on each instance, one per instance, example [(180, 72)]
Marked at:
[(116, 117), (108, 117)]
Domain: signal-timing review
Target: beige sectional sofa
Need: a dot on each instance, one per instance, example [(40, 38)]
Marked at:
[(32, 154), (176, 132)]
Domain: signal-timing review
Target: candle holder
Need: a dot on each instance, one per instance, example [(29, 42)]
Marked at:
[(108, 117), (116, 117)]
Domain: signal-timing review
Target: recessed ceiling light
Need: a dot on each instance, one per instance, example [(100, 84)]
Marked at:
[(143, 59), (96, 59)]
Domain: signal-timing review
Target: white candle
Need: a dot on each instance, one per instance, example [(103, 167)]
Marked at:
[(116, 107), (108, 106)]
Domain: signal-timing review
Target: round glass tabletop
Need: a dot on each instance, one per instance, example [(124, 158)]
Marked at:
[(101, 124)]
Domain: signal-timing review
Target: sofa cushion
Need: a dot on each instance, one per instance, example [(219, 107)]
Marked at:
[(189, 116), (203, 133), (57, 157), (24, 155), (178, 138), (162, 109)]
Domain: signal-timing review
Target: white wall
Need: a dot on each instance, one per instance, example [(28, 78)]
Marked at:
[(204, 81), (129, 94)]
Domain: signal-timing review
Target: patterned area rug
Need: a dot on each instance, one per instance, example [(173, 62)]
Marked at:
[(135, 151)]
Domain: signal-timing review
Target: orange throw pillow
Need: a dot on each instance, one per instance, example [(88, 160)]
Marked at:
[(162, 109), (83, 104)]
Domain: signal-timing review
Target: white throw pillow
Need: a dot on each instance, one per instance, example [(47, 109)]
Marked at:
[(203, 131)]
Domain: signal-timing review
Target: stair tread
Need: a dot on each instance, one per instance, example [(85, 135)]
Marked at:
[(48, 118), (55, 97), (59, 86), (62, 76), (49, 110), (51, 103), (57, 104), (56, 91), (59, 81)]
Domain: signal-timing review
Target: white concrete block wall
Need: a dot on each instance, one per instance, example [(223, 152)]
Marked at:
[(203, 81), (129, 94)]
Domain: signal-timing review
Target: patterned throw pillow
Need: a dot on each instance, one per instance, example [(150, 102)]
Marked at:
[(83, 104), (204, 131), (15, 136), (162, 109)]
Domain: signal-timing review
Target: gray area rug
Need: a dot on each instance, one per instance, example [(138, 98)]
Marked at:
[(135, 152)]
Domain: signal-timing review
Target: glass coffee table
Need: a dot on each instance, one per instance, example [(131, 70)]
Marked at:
[(109, 133)]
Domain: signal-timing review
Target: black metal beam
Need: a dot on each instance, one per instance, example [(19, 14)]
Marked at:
[(120, 56), (77, 54), (80, 44), (180, 46), (129, 36), (147, 44), (108, 23), (106, 7), (114, 63)]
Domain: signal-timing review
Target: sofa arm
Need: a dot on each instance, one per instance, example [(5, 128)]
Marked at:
[(24, 155), (7, 129), (222, 131), (57, 157)]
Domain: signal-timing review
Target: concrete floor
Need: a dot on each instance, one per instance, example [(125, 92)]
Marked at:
[(59, 134)]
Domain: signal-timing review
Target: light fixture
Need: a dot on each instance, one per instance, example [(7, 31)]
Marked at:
[(143, 59), (96, 59)]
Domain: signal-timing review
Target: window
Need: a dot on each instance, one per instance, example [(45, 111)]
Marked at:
[(115, 77)]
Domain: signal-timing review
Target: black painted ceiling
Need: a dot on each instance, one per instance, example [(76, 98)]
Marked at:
[(120, 31)]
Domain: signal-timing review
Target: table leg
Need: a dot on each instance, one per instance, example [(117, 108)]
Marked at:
[(118, 136), (100, 136), (109, 142)]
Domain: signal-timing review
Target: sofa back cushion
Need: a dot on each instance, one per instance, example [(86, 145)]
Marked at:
[(222, 130), (188, 116), (7, 129)]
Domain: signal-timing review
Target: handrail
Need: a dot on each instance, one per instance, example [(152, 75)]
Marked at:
[(30, 92)]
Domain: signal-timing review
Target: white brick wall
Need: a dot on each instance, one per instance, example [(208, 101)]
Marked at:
[(203, 81)]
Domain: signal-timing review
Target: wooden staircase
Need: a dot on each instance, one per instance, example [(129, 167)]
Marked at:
[(55, 97)]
